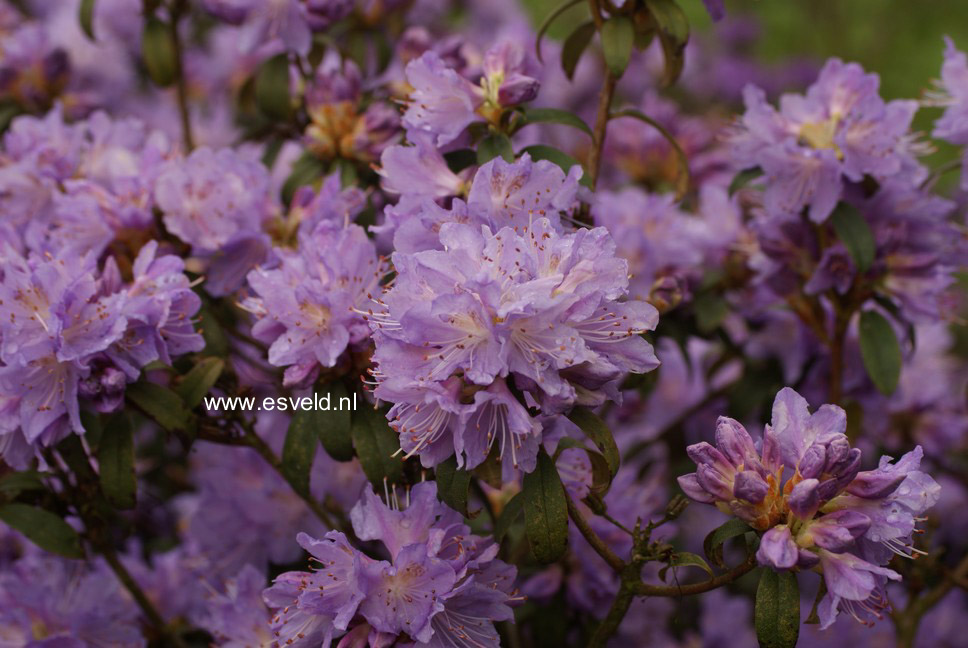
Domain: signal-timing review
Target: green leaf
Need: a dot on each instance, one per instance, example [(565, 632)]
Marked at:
[(376, 446), (673, 28), (43, 528), (856, 235), (305, 170), (115, 458), (710, 309), (196, 383), (555, 116), (743, 178), (545, 511), (495, 144), (512, 511), (546, 23), (212, 332), (334, 426), (880, 350), (12, 484), (272, 87), (685, 559), (618, 39), (299, 450), (460, 159), (777, 612), (159, 52), (453, 484), (574, 46), (713, 544), (162, 405), (85, 14), (596, 430), (562, 159)]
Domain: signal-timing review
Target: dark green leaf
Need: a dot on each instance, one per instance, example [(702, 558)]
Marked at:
[(743, 178), (334, 426), (512, 511), (196, 383), (43, 528), (159, 52), (596, 430), (115, 458), (545, 511), (216, 341), (856, 235), (685, 559), (713, 544), (880, 350), (305, 170), (452, 485), (12, 484), (710, 309), (272, 87), (555, 116), (161, 404), (574, 46), (299, 450), (618, 38), (376, 446), (777, 613), (494, 145), (673, 28), (85, 14), (546, 23), (562, 159), (460, 159)]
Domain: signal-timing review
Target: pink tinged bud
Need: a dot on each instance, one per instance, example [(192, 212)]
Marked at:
[(690, 486), (813, 461), (875, 484), (703, 453), (713, 482), (517, 89), (749, 486), (804, 499), (777, 549), (837, 531), (735, 442)]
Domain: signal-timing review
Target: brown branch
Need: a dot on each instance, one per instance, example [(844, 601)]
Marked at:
[(647, 589), (592, 538)]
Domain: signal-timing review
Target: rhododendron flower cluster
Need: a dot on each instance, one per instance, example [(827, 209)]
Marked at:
[(386, 323)]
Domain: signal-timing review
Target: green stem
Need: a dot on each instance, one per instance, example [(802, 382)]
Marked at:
[(589, 534), (181, 88), (609, 626), (647, 589)]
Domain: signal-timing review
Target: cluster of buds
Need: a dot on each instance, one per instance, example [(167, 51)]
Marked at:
[(803, 488)]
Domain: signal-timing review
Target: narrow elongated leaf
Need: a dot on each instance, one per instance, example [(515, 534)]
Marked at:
[(574, 46), (562, 159), (43, 528), (494, 145), (713, 544), (618, 39), (743, 178), (685, 559), (856, 235), (163, 405), (376, 446), (12, 484), (334, 426), (880, 350), (159, 52), (545, 511), (555, 116), (673, 29), (512, 511), (599, 434), (777, 612), (196, 383), (115, 458), (453, 484), (272, 87), (299, 450), (85, 15)]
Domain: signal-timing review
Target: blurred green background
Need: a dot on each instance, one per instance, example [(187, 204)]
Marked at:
[(899, 39)]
